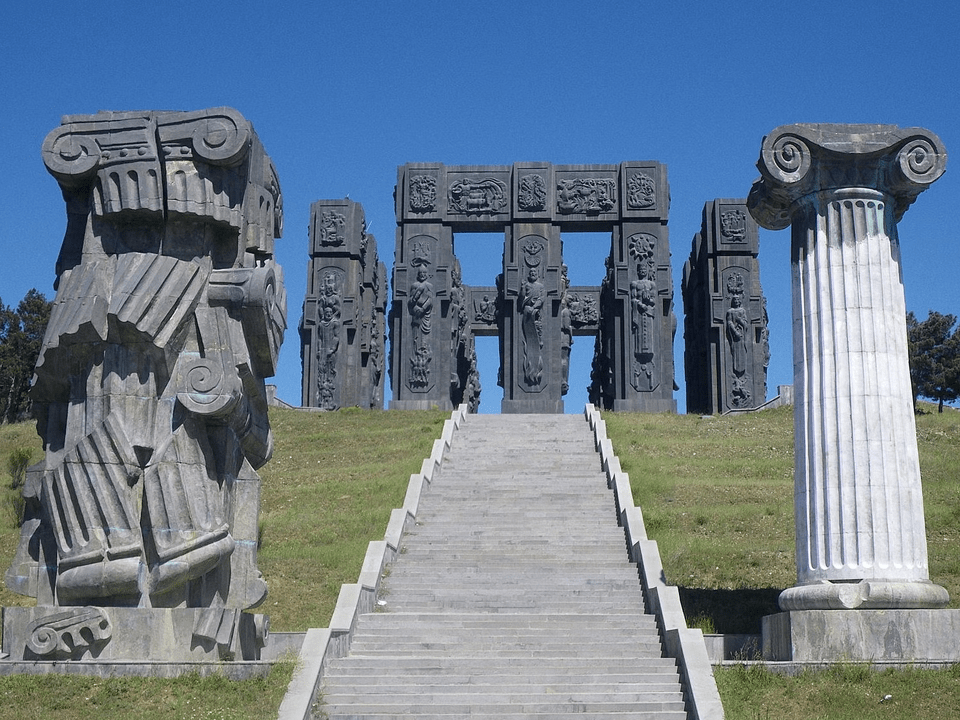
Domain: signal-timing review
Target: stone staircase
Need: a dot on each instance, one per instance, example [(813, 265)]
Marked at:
[(512, 596)]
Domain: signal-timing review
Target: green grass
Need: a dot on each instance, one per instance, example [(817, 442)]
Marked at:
[(717, 495), (74, 697), (842, 692)]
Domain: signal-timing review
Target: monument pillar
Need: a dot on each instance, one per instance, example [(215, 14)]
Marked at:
[(859, 510), (342, 327), (420, 320), (531, 335)]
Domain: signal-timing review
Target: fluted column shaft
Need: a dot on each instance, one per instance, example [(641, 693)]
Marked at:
[(859, 508), (858, 502)]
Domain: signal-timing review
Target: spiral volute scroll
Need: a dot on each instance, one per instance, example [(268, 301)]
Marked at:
[(922, 159), (785, 158), (44, 640), (221, 138), (205, 388), (71, 157)]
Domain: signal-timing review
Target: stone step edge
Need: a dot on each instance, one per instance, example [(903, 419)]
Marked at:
[(320, 644), (684, 644)]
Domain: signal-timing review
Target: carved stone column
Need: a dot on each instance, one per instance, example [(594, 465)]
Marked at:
[(859, 509), (341, 331), (140, 528), (532, 379), (725, 325)]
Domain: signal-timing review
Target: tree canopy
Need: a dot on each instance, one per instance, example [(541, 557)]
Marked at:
[(934, 348), (21, 336)]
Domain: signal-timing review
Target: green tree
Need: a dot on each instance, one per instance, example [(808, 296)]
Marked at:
[(21, 336), (934, 349)]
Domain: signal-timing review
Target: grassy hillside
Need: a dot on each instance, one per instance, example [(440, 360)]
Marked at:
[(716, 493)]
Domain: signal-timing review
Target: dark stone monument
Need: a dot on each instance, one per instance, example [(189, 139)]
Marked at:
[(725, 325), (530, 307), (343, 323), (140, 531)]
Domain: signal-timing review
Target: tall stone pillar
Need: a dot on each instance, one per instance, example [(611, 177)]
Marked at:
[(633, 367), (859, 509), (420, 319), (531, 336), (139, 537), (725, 325), (341, 331)]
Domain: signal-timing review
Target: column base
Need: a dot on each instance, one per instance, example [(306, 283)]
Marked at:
[(862, 636), (85, 633), (445, 405), (864, 595), (531, 405), (645, 405)]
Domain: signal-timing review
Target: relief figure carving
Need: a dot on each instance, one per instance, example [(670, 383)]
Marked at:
[(532, 196), (641, 192), (733, 226), (643, 304), (331, 228), (475, 197), (423, 193), (420, 305), (589, 196), (531, 299), (328, 341), (737, 327)]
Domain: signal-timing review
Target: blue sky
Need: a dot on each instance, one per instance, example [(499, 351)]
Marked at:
[(341, 93)]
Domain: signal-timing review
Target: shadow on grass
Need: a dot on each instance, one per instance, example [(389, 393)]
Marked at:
[(731, 611)]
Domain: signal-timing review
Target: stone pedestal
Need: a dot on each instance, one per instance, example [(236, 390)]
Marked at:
[(864, 635), (858, 501), (132, 634)]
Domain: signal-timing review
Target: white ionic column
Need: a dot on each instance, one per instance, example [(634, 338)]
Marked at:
[(858, 499)]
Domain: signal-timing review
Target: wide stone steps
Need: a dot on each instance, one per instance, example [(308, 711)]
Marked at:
[(512, 595)]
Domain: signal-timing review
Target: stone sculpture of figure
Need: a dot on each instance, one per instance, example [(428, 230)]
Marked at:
[(471, 390), (566, 333), (532, 296), (643, 302), (420, 305), (149, 390), (328, 341), (737, 326), (486, 310)]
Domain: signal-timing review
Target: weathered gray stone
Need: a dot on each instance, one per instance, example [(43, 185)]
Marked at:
[(118, 633), (859, 507), (532, 308), (868, 635), (343, 323), (725, 317), (149, 391)]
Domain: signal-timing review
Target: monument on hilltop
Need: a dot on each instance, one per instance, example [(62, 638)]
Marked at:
[(140, 531), (530, 306), (863, 589), (343, 323), (725, 316)]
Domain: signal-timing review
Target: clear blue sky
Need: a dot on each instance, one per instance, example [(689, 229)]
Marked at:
[(341, 93)]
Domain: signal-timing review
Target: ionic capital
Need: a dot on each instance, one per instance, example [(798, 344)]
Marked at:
[(800, 159)]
